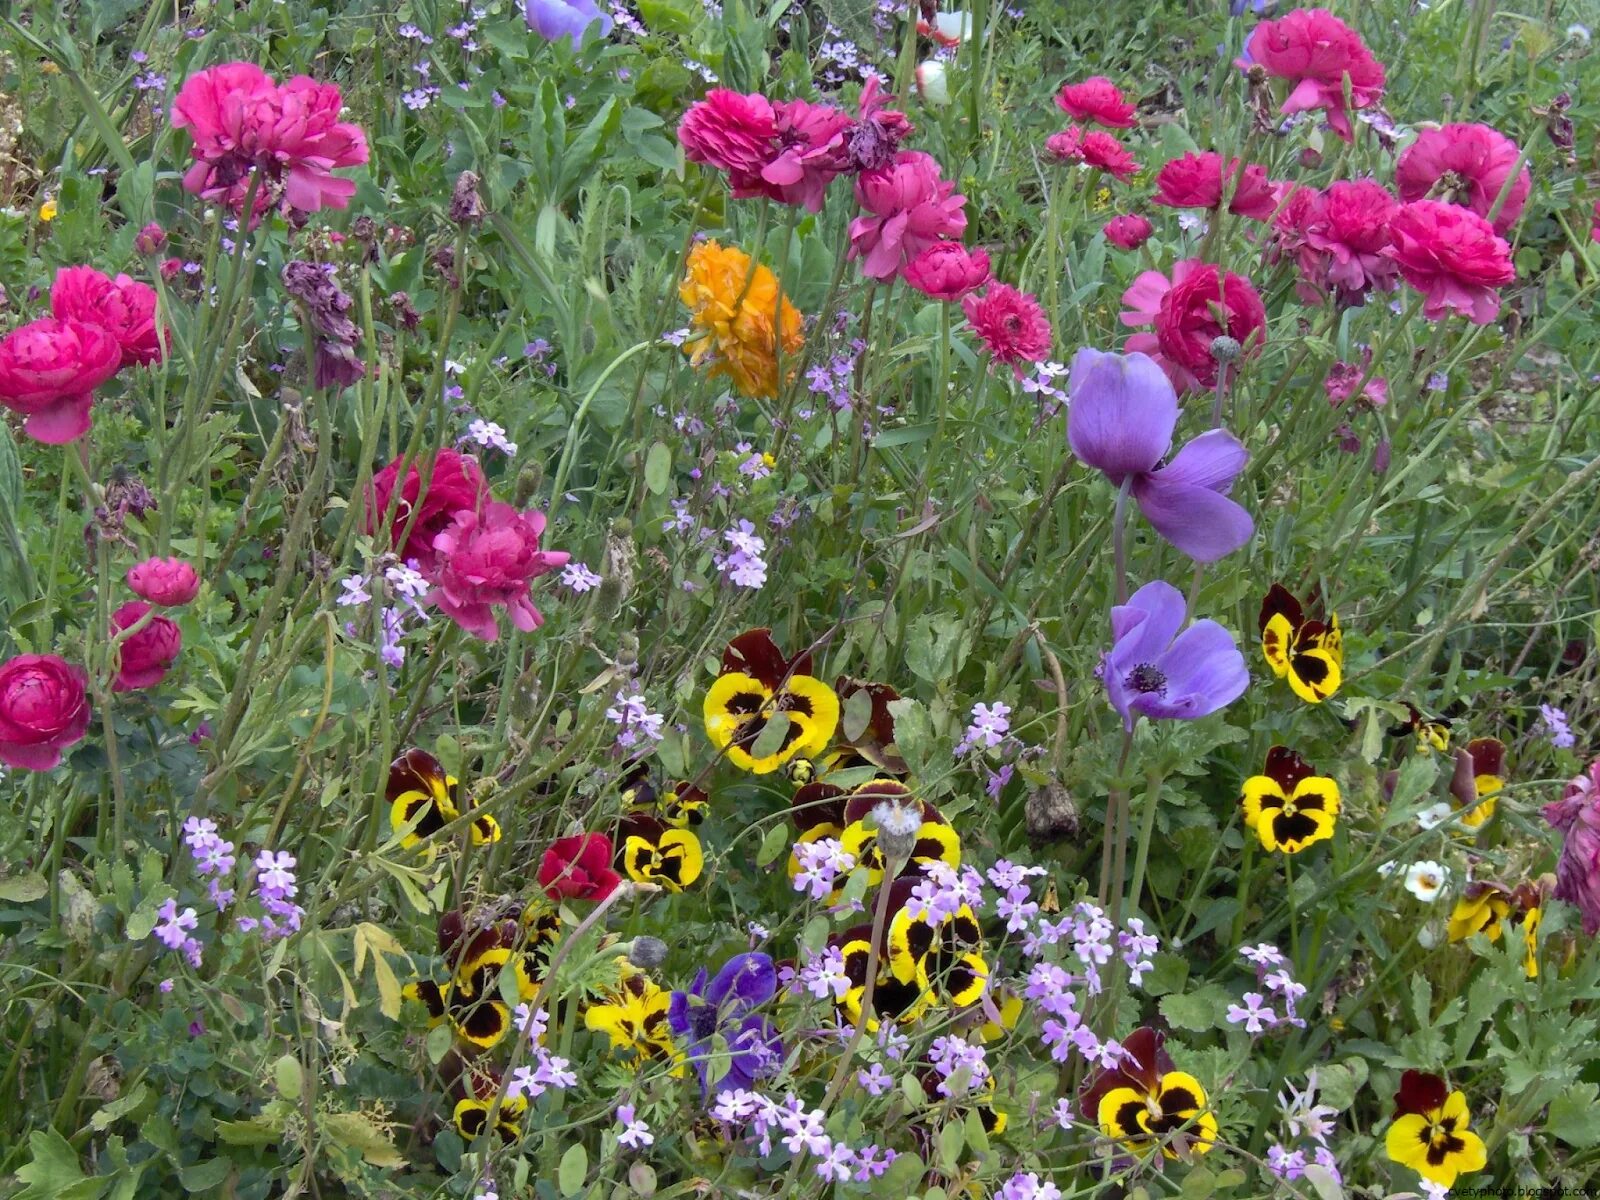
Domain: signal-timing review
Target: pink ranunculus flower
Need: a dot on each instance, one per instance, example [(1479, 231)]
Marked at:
[(947, 271), (813, 149), (1453, 257), (909, 207), (122, 306), (286, 138), (49, 369), (1099, 100), (1128, 231), (486, 559), (1343, 378), (1346, 236), (1473, 162), (147, 655), (455, 485), (1094, 147), (1577, 816), (44, 708), (733, 133), (1011, 324), (1202, 180), (164, 582), (1184, 311), (1315, 51)]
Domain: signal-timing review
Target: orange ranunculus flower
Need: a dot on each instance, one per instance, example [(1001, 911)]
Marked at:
[(738, 317)]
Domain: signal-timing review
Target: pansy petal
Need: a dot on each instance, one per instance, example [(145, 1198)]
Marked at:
[(1122, 413), (1203, 524)]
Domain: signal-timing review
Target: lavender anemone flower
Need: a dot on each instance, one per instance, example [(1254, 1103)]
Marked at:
[(1577, 816), (1121, 420), (729, 1044), (1152, 670), (565, 18)]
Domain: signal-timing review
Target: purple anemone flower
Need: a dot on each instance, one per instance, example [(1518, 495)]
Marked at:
[(1120, 422), (1152, 670), (722, 1011), (565, 18)]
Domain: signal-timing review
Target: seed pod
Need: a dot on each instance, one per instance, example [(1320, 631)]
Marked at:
[(1050, 815)]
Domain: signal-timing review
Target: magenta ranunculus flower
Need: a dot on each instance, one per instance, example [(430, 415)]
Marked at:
[(1096, 99), (1202, 180), (909, 206), (1128, 231), (164, 582), (1475, 161), (1577, 816), (123, 307), (486, 559), (147, 655), (947, 271), (286, 138), (49, 369), (788, 152), (813, 149), (1153, 670), (1120, 421), (1185, 311), (1315, 51), (733, 133), (44, 708), (1095, 148), (1346, 238), (455, 485), (1453, 257), (1011, 324), (553, 19)]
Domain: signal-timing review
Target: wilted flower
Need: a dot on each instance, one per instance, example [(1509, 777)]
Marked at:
[(1120, 421), (1155, 671), (1577, 816), (335, 337)]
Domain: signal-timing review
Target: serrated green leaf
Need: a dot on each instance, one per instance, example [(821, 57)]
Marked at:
[(1198, 1011), (23, 889)]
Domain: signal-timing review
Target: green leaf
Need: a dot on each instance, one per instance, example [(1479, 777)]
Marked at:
[(771, 738), (1198, 1011), (257, 1131), (1170, 973), (857, 714), (122, 1105), (287, 1078), (23, 889), (203, 1176), (573, 1169), (952, 1140), (54, 1173), (1575, 1116), (360, 1133), (1320, 1178), (657, 468), (666, 16), (774, 843)]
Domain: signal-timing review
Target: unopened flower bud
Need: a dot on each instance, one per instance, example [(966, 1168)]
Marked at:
[(608, 598), (647, 952), (628, 651), (150, 239), (407, 316), (529, 480), (1225, 349)]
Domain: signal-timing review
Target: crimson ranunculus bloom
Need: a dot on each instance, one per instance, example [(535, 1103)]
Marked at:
[(148, 654), (456, 485), (908, 207), (1011, 324), (486, 559), (1314, 51), (123, 307), (947, 271), (164, 582), (578, 868), (43, 710), (287, 139), (1184, 311), (1346, 235), (49, 369), (1475, 161), (1453, 257), (1096, 99), (1202, 180), (1094, 147), (1128, 231)]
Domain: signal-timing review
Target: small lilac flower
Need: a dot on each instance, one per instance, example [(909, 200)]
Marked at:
[(1263, 955), (1120, 422), (491, 436), (167, 984), (1553, 723), (637, 722), (173, 928), (1155, 671), (579, 577), (875, 1079), (988, 727), (1252, 1015), (635, 1134)]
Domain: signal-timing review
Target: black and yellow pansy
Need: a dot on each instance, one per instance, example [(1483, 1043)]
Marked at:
[(512, 939), (650, 852), (1144, 1102), (1432, 733), (1430, 1133), (943, 957), (756, 684), (1310, 654), (1289, 806), (1479, 775), (899, 1002), (1486, 907), (471, 1117), (680, 805), (817, 811), (866, 728), (936, 839), (423, 799), (634, 1016)]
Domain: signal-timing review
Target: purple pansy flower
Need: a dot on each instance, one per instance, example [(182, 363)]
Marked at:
[(717, 1021), (565, 18), (1120, 422), (1152, 670)]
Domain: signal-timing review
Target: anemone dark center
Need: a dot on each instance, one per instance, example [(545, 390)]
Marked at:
[(1146, 678)]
